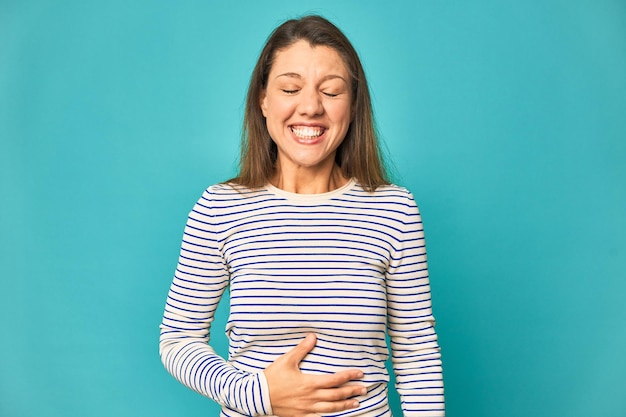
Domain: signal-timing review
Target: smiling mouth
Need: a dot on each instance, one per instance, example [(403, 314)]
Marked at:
[(308, 132)]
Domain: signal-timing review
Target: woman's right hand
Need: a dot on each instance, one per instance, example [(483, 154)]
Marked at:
[(294, 394)]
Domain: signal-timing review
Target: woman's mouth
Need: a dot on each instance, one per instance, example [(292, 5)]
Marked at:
[(307, 133)]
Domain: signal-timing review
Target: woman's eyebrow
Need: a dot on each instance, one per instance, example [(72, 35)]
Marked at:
[(334, 76), (298, 76), (290, 75)]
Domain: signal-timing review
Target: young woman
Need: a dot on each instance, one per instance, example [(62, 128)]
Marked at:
[(322, 256)]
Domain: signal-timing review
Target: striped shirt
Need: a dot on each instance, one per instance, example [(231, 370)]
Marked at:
[(348, 265)]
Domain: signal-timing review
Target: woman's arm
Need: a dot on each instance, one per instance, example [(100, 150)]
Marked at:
[(199, 281), (416, 356)]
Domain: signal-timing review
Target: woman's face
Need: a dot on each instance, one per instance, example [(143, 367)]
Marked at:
[(307, 105)]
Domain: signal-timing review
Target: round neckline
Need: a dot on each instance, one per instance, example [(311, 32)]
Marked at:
[(310, 197)]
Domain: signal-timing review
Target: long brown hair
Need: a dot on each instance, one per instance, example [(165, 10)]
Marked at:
[(359, 155)]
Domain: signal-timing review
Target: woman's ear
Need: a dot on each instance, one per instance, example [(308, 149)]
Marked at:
[(263, 103)]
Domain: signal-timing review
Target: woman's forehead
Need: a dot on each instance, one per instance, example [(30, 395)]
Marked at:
[(301, 59)]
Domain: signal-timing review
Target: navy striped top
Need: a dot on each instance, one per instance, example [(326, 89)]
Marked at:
[(347, 265)]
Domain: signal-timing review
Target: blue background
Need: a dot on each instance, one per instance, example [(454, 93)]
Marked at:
[(506, 119)]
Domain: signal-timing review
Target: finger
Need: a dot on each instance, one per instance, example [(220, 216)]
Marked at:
[(297, 354), (342, 393), (337, 379), (339, 395), (335, 406)]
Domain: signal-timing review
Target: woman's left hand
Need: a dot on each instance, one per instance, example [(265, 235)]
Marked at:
[(294, 394)]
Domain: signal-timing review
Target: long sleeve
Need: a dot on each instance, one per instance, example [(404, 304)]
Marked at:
[(199, 282), (415, 351)]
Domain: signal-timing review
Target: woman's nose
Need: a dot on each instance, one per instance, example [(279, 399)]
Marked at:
[(310, 103)]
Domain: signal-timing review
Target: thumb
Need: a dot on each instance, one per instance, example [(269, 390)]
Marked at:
[(297, 354)]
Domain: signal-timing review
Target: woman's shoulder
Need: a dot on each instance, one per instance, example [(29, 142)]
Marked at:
[(228, 193), (384, 197), (391, 191), (228, 198), (230, 190)]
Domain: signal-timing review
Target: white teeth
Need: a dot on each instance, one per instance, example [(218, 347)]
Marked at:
[(307, 131)]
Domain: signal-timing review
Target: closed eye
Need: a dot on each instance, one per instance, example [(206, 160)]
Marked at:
[(289, 91)]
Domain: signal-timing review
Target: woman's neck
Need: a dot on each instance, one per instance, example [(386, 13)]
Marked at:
[(305, 181)]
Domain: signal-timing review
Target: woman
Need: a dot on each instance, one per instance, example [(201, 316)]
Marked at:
[(321, 254)]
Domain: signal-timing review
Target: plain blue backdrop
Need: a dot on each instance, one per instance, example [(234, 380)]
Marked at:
[(507, 120)]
